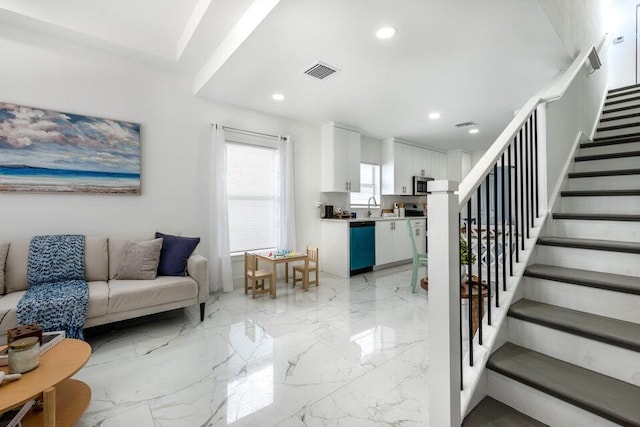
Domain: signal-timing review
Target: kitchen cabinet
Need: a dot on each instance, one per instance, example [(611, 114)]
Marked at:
[(392, 241), (340, 158), (334, 249), (402, 161), (397, 167), (459, 164)]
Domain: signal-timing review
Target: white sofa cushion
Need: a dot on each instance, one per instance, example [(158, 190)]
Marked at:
[(96, 259), (98, 304), (133, 294), (98, 299), (96, 262), (4, 250), (16, 269)]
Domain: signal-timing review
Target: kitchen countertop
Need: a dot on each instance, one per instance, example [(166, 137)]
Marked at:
[(376, 218)]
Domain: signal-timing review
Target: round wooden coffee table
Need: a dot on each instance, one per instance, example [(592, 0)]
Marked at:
[(65, 400)]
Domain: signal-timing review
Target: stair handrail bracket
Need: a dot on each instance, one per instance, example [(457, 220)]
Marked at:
[(498, 212)]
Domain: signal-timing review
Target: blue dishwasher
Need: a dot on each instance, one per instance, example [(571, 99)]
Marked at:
[(362, 250)]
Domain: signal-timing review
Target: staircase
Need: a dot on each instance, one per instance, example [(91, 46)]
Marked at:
[(572, 356)]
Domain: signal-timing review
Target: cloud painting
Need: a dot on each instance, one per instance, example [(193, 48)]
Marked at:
[(48, 151)]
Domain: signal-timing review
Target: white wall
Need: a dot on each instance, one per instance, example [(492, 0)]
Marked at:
[(578, 23), (622, 56), (175, 142)]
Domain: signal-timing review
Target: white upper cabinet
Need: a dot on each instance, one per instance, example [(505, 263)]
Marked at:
[(397, 167), (459, 164), (340, 158), (401, 162)]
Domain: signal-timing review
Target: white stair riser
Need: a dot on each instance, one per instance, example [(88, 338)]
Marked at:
[(601, 230), (617, 132), (606, 359), (617, 96), (601, 204), (603, 302), (627, 264), (617, 182), (620, 113), (539, 405), (617, 122), (622, 104), (607, 164), (608, 149)]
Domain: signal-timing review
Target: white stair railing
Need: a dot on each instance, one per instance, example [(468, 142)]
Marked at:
[(505, 190)]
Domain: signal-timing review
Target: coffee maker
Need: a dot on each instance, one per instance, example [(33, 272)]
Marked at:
[(328, 211)]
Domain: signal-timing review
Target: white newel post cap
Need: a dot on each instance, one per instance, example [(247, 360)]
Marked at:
[(442, 186)]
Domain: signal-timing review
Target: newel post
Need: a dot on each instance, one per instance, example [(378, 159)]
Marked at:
[(444, 304)]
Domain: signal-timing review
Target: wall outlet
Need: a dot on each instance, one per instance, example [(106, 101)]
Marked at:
[(319, 204)]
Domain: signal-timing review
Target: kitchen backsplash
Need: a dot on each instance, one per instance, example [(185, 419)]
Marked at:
[(341, 201)]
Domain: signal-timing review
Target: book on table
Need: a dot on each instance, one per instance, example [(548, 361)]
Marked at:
[(14, 417), (49, 339)]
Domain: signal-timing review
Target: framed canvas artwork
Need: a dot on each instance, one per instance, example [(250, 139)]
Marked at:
[(47, 151)]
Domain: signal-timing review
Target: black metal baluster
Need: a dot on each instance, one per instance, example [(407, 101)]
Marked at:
[(521, 168), (525, 161), (535, 150), (531, 184), (469, 295), (460, 300), (504, 254), (511, 198), (495, 232), (487, 188), (479, 225)]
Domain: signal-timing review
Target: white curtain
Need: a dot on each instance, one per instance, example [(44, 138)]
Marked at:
[(285, 209), (219, 252)]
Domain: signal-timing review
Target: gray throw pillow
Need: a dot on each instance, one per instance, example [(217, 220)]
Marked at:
[(140, 260), (4, 250)]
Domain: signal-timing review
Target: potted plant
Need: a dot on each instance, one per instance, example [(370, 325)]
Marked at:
[(464, 257)]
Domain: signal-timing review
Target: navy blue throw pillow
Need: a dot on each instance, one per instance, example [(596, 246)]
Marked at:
[(175, 252)]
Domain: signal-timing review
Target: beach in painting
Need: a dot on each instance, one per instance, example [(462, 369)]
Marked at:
[(43, 180), (45, 151)]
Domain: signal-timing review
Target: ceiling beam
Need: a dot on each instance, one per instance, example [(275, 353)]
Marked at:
[(248, 22), (192, 25)]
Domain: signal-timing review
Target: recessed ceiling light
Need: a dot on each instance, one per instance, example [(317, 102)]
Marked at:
[(434, 115), (278, 96), (386, 33), (474, 131)]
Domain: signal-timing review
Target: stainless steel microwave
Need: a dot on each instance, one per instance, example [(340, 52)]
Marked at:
[(420, 185)]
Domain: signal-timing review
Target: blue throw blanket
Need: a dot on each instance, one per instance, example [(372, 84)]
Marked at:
[(58, 294)]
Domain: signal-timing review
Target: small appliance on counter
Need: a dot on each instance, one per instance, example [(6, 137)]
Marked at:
[(328, 211), (413, 209)]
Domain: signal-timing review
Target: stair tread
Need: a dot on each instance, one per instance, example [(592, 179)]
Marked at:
[(597, 216), (618, 109), (602, 395), (604, 329), (618, 94), (493, 413), (595, 193), (604, 245), (622, 117), (610, 141), (622, 101), (608, 172), (605, 156), (617, 137), (623, 88), (594, 279), (618, 127)]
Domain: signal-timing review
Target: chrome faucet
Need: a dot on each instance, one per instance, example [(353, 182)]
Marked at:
[(369, 205)]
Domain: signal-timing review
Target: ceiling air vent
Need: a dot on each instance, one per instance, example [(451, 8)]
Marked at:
[(464, 125), (320, 70)]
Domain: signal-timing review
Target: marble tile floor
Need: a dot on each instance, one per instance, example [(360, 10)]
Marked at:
[(352, 352)]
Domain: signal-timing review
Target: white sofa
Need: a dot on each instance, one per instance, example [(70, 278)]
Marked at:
[(110, 300)]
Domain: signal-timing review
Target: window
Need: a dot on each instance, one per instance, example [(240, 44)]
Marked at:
[(251, 196), (369, 185)]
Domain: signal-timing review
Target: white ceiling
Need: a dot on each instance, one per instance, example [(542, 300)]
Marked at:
[(469, 60)]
